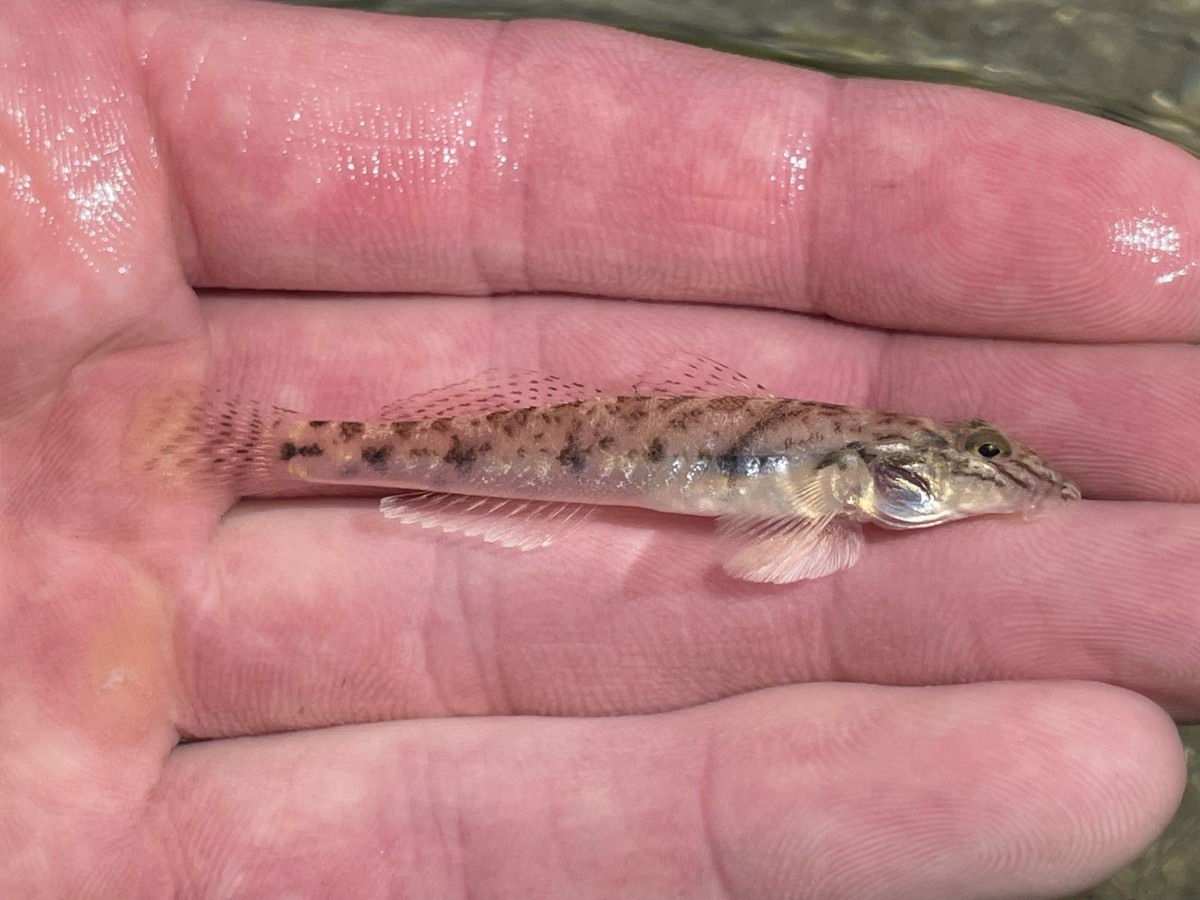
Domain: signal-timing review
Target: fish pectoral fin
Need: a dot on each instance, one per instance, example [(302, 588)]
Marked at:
[(787, 548), (523, 524)]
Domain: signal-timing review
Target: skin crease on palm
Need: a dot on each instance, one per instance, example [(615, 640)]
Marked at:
[(972, 711)]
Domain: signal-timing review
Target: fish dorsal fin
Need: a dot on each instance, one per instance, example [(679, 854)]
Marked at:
[(787, 548), (488, 392), (678, 374), (681, 374), (522, 524)]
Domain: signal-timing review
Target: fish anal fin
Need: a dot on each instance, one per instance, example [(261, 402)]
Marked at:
[(488, 392), (786, 549), (683, 374), (521, 524)]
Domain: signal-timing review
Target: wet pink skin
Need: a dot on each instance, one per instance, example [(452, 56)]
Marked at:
[(610, 717)]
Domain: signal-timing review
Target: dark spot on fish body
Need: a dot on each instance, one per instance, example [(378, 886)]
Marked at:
[(681, 421), (776, 414), (573, 454), (740, 465), (728, 464), (377, 457), (317, 423), (459, 456), (606, 442), (351, 430), (655, 451), (401, 429), (289, 450)]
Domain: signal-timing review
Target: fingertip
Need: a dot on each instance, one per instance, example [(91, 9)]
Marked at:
[(1004, 789), (1128, 752)]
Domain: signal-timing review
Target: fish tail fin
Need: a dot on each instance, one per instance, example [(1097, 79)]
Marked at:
[(199, 436)]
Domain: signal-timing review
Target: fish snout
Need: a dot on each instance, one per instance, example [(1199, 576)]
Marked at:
[(1070, 491)]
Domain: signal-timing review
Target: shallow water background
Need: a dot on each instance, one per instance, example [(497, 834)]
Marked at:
[(1133, 61)]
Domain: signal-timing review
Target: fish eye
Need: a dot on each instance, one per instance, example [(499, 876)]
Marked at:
[(989, 444)]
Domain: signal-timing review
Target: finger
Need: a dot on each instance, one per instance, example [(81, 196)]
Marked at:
[(1118, 421), (373, 592), (1009, 790), (457, 157), (326, 613)]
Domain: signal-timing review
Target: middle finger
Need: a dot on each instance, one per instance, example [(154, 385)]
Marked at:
[(329, 614)]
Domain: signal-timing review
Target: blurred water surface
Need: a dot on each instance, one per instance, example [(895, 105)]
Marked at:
[(1133, 61)]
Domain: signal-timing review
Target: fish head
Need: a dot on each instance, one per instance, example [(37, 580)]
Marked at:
[(953, 471)]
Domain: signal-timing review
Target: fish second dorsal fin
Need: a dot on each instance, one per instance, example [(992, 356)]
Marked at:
[(489, 392), (677, 374), (688, 375)]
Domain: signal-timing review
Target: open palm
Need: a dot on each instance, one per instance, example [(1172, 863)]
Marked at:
[(611, 716)]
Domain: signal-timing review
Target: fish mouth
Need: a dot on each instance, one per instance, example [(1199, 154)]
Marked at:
[(1070, 491)]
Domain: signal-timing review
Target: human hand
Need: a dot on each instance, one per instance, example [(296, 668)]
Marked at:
[(611, 716)]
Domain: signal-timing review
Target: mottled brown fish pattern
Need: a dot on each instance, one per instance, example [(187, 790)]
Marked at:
[(789, 480)]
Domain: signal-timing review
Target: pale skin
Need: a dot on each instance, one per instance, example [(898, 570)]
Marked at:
[(609, 717)]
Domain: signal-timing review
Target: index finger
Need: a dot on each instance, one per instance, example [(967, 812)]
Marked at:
[(323, 150)]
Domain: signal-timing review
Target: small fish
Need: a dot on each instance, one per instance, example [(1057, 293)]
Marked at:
[(522, 460)]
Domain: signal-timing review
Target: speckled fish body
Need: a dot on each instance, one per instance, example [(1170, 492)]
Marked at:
[(705, 456), (789, 480), (693, 455)]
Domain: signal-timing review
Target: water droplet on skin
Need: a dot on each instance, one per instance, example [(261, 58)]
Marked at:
[(1150, 234)]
